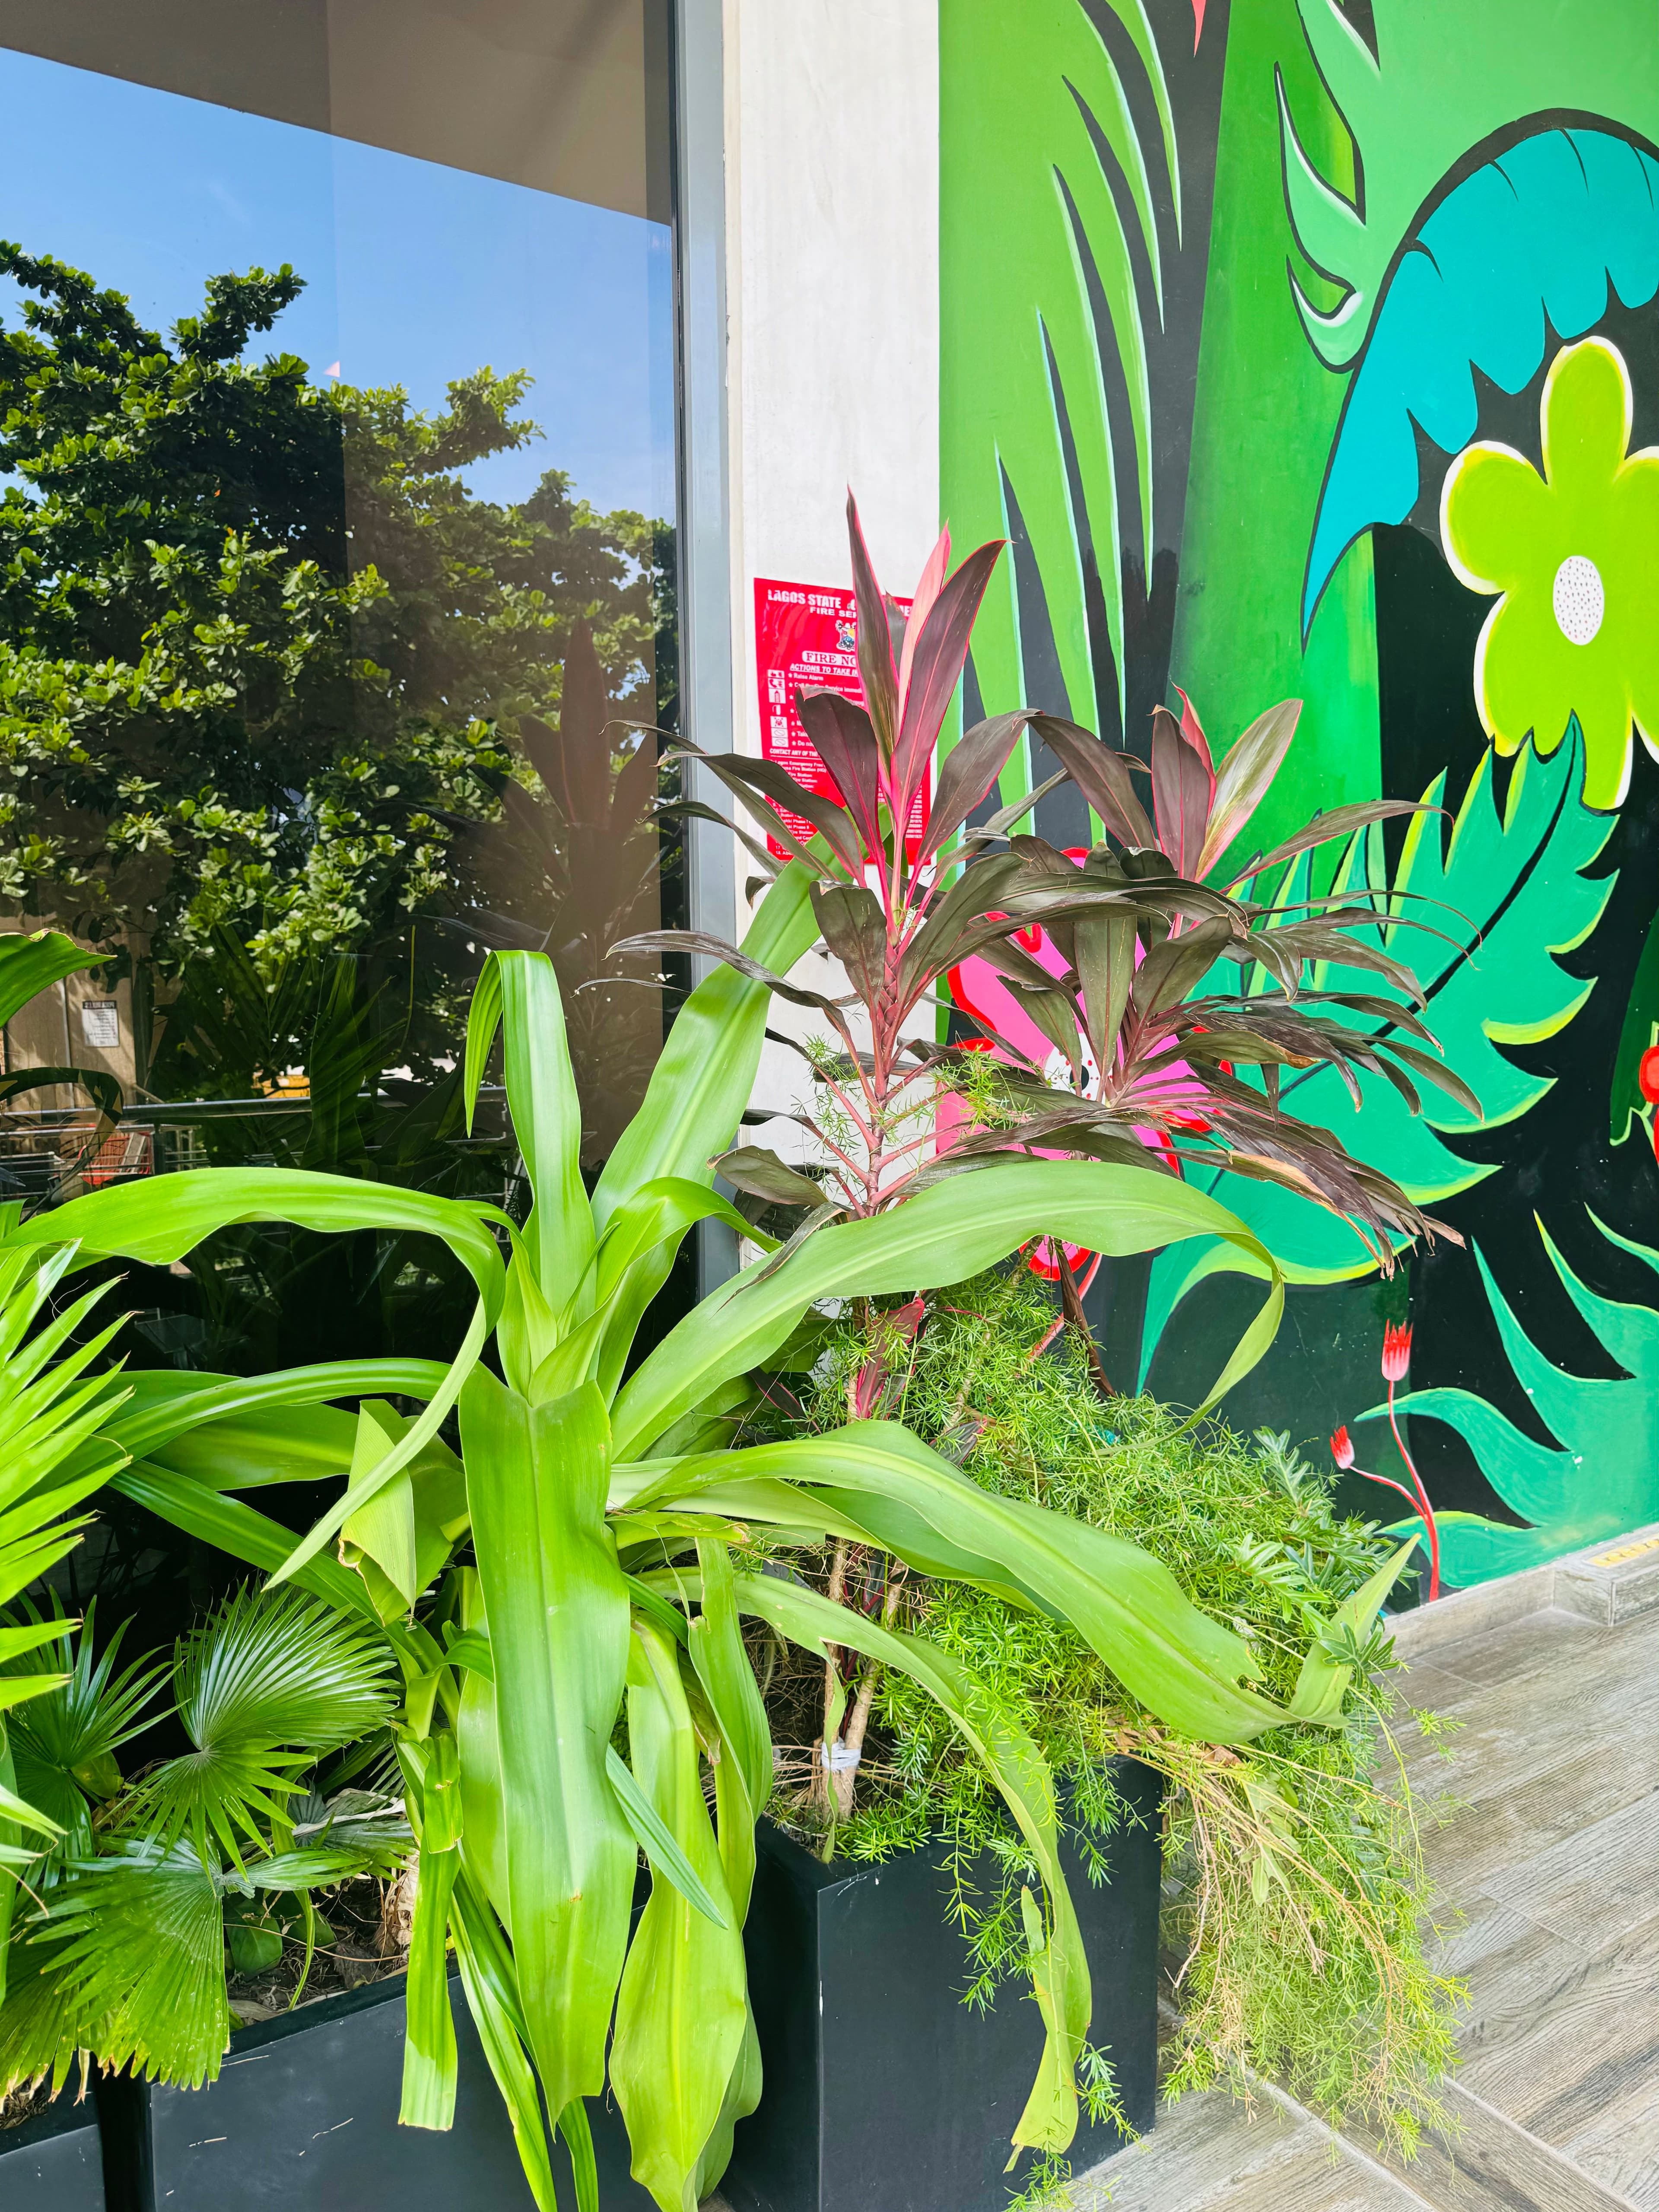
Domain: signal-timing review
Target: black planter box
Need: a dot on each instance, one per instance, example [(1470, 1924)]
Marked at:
[(52, 2162), (304, 2118), (883, 2092)]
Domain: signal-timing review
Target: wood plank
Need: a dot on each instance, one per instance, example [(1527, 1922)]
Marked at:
[(1270, 2163), (1199, 2146), (1590, 1886), (1513, 1818), (1621, 2148), (1558, 2053), (1485, 2164)]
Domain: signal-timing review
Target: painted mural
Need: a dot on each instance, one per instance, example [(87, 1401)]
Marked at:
[(1304, 349)]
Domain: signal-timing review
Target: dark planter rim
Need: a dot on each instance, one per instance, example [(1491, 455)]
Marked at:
[(67, 2111)]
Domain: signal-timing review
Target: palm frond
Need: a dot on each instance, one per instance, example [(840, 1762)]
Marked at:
[(135, 1950), (75, 1731), (268, 1685)]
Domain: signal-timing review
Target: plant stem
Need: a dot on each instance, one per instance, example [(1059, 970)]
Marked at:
[(847, 1780), (1429, 1522), (821, 1794)]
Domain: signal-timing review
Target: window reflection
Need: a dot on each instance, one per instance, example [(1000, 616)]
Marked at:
[(336, 535)]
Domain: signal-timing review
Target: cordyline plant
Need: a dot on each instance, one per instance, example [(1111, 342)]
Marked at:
[(566, 1688), (1137, 927)]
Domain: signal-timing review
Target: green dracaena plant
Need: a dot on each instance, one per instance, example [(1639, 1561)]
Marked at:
[(609, 1522)]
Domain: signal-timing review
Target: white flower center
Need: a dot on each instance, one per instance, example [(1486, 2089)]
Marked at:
[(1580, 601)]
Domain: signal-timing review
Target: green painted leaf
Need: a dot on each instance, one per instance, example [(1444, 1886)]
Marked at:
[(1512, 894), (1600, 1477), (1025, 206)]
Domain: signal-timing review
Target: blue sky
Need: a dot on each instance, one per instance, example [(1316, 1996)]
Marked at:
[(416, 273)]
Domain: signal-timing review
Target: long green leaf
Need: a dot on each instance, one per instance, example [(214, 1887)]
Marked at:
[(232, 1527), (523, 996), (1182, 1665), (487, 1979), (742, 1777), (665, 1855), (1322, 1682), (683, 2005), (950, 1231), (557, 1611), (159, 1222), (33, 964), (429, 2055), (165, 1406), (1020, 1773), (705, 1076)]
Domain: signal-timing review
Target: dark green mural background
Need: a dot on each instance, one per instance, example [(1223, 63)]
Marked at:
[(1312, 350)]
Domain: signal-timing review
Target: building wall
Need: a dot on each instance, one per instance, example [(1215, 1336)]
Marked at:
[(832, 260), (1228, 297)]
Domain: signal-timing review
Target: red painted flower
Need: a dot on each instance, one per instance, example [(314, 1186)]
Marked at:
[(1396, 1350), (1342, 1448), (1647, 1075)]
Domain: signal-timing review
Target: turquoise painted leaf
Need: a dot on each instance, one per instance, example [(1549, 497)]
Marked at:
[(1442, 80), (1521, 255), (1511, 893), (1601, 1476), (1027, 212)]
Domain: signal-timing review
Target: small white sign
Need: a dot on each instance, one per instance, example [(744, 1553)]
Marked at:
[(101, 1025)]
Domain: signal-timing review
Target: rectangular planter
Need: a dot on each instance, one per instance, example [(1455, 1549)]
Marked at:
[(304, 2118), (883, 2092), (52, 2163)]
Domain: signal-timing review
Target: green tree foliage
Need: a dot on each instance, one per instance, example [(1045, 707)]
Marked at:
[(263, 655)]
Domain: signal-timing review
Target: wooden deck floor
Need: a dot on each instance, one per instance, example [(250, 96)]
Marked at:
[(1548, 1874)]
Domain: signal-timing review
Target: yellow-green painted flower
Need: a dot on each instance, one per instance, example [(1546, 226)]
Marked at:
[(1574, 556)]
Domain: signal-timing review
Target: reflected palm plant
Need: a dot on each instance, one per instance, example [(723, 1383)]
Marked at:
[(565, 1593), (573, 868)]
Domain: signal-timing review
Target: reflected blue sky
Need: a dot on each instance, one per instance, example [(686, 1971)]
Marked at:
[(414, 273)]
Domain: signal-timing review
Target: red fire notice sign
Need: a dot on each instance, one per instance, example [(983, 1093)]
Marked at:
[(806, 640)]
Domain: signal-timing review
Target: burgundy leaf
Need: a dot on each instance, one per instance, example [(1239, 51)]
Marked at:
[(747, 775), (1101, 774), (1242, 780), (936, 665), (928, 586), (971, 767), (845, 743), (1340, 822), (875, 645), (1193, 729), (1181, 790)]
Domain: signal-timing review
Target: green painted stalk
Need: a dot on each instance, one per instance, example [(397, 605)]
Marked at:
[(557, 1609)]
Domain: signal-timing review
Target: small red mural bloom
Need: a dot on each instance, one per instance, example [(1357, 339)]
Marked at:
[(1396, 1357), (1396, 1350), (1647, 1075)]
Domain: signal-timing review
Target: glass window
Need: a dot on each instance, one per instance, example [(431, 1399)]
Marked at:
[(337, 542)]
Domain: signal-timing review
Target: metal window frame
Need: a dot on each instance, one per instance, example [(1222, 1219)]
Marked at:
[(704, 534)]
